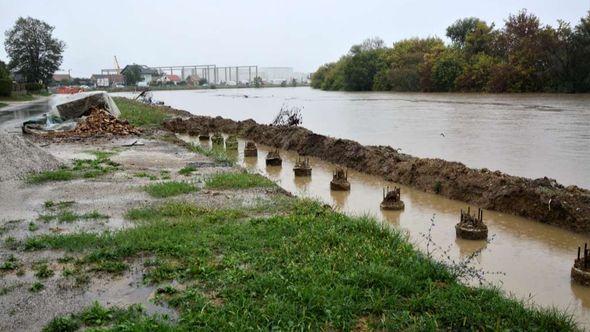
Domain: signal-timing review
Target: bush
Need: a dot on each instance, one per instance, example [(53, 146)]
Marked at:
[(5, 87), (33, 87)]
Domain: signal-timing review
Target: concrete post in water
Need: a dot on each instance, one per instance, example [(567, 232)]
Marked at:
[(273, 158), (340, 180), (471, 227), (302, 167), (392, 199), (580, 272), (250, 150)]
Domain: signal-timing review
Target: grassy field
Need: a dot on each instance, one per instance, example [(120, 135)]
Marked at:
[(305, 268), (170, 188), (82, 168), (139, 114), (235, 180), (3, 104)]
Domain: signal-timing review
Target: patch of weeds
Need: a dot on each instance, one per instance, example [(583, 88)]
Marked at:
[(65, 259), (102, 155), (235, 180), (58, 205), (62, 324), (61, 174), (99, 318), (94, 215), (43, 271), (6, 290), (437, 187), (140, 114), (170, 188), (10, 264), (11, 243), (82, 168), (33, 227), (216, 153), (146, 175), (36, 287), (187, 170)]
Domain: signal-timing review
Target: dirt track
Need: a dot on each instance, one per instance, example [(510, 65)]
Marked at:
[(541, 199)]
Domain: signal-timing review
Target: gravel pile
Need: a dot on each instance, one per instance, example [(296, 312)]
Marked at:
[(19, 157)]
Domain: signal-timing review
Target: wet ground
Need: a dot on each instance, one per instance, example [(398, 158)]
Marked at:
[(23, 204)]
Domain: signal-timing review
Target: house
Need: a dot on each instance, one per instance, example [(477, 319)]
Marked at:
[(62, 77), (174, 79), (147, 74), (105, 81)]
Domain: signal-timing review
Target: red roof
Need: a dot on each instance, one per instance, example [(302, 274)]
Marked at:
[(173, 78)]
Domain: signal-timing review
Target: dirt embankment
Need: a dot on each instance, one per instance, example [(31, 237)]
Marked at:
[(541, 199)]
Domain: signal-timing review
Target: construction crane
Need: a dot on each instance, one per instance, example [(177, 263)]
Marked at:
[(117, 65)]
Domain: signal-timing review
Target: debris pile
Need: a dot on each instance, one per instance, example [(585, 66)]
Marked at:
[(97, 123), (471, 227), (340, 180), (80, 116), (392, 199), (581, 270), (273, 158), (302, 167)]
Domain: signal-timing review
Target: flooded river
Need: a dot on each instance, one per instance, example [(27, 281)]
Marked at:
[(531, 135), (527, 259)]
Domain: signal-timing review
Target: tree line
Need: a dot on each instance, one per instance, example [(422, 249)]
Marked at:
[(522, 56)]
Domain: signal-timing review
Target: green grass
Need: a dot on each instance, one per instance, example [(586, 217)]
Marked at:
[(187, 170), (19, 97), (82, 168), (216, 153), (139, 114), (3, 105), (308, 269), (235, 180), (170, 188), (36, 287)]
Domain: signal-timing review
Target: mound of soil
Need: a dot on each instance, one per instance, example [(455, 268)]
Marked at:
[(541, 199), (20, 157)]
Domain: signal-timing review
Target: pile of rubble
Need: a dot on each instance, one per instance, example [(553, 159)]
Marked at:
[(81, 116), (98, 123)]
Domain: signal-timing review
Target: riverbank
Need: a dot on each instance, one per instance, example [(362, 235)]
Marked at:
[(203, 245)]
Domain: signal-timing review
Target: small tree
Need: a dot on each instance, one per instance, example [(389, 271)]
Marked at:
[(32, 49), (257, 82), (132, 74), (202, 81)]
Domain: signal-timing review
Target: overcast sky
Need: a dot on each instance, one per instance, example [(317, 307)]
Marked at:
[(301, 34)]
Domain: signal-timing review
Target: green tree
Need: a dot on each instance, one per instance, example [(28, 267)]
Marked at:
[(132, 74), (580, 56), (4, 73), (365, 60), (480, 39), (476, 74), (459, 30), (32, 49), (257, 82), (406, 62)]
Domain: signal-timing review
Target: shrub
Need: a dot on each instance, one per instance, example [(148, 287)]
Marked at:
[(5, 87)]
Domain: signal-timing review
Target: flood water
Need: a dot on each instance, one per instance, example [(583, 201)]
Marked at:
[(531, 135)]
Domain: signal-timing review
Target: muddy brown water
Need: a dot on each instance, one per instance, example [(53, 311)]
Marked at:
[(531, 135), (533, 259)]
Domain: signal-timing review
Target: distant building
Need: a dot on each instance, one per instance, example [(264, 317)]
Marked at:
[(169, 78), (275, 75), (105, 81), (62, 77), (147, 74)]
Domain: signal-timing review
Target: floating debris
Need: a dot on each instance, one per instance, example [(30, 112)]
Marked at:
[(273, 158), (340, 180), (471, 227), (580, 272), (392, 199), (217, 139), (250, 150), (231, 143), (302, 167)]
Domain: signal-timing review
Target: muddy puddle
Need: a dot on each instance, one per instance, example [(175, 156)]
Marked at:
[(533, 260)]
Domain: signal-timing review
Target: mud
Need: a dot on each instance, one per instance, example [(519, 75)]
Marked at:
[(540, 199)]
